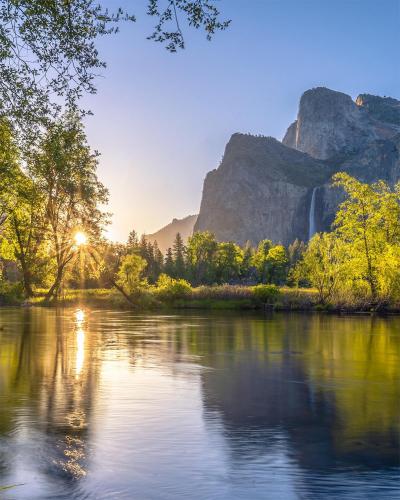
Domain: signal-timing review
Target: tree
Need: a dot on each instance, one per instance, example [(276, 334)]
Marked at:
[(277, 265), (368, 223), (157, 263), (21, 212), (64, 170), (323, 264), (201, 250), (48, 49), (179, 252), (259, 260), (26, 230), (296, 251), (130, 273), (9, 169), (169, 266), (228, 261), (246, 266), (133, 242)]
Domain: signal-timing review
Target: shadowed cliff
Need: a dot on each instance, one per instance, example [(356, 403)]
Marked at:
[(263, 188)]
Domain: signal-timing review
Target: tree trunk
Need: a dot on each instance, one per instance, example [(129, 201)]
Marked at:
[(113, 282), (54, 289), (27, 280)]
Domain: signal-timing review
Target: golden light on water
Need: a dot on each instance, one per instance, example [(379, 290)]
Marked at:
[(80, 341), (80, 350), (80, 238), (79, 316)]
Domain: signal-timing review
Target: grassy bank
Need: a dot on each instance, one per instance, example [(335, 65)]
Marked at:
[(225, 297)]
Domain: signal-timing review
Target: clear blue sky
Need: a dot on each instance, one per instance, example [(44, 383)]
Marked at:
[(161, 120)]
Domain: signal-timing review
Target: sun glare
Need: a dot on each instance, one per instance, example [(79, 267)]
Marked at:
[(79, 316), (80, 238)]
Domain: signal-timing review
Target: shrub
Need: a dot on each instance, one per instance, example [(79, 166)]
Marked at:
[(170, 288), (10, 293), (267, 294)]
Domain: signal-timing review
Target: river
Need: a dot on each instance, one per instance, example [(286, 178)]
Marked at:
[(114, 405)]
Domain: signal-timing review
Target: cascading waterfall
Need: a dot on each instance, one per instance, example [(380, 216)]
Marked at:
[(311, 216)]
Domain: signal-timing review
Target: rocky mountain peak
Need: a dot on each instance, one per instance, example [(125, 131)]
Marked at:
[(331, 123), (264, 188), (384, 109), (328, 122)]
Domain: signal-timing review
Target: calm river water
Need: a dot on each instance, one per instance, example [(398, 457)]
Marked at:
[(108, 404)]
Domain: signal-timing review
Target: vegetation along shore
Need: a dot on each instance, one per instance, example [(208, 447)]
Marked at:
[(52, 250)]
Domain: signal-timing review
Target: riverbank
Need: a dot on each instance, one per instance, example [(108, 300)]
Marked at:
[(224, 297)]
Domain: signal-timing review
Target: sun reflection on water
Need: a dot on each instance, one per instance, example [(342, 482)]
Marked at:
[(79, 316), (80, 341)]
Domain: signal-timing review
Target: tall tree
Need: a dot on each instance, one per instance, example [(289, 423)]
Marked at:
[(133, 242), (368, 221), (276, 265), (246, 266), (64, 170), (324, 265), (259, 260), (179, 254), (201, 250), (169, 266), (228, 261), (26, 229)]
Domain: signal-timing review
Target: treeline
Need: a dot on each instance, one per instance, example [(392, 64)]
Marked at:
[(356, 264), (202, 261)]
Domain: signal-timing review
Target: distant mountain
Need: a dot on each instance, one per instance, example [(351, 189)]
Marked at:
[(264, 188), (166, 235)]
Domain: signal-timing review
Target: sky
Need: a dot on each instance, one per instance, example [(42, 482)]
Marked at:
[(161, 121)]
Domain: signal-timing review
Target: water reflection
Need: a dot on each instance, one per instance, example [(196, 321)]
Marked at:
[(80, 340), (93, 402)]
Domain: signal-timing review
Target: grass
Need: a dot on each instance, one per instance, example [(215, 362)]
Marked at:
[(222, 297)]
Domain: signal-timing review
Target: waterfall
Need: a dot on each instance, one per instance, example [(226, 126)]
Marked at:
[(311, 216)]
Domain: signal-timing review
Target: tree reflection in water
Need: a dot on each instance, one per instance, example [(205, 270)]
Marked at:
[(318, 394)]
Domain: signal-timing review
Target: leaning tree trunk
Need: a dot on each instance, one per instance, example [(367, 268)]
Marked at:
[(55, 287), (112, 281)]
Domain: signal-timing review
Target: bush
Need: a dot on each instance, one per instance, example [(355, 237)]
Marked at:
[(267, 294), (170, 289), (11, 293), (130, 273)]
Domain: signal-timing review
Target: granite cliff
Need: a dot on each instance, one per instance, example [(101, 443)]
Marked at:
[(264, 188)]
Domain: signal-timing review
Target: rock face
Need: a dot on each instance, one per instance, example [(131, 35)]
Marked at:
[(261, 189), (331, 123), (264, 188), (165, 236)]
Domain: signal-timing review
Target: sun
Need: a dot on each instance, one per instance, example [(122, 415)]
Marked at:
[(80, 238)]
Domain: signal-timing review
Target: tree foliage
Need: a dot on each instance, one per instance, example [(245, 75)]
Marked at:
[(130, 274), (360, 259), (48, 49)]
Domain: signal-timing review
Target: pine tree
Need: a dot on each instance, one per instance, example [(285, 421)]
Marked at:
[(169, 266), (133, 242), (158, 261), (179, 253), (246, 266)]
